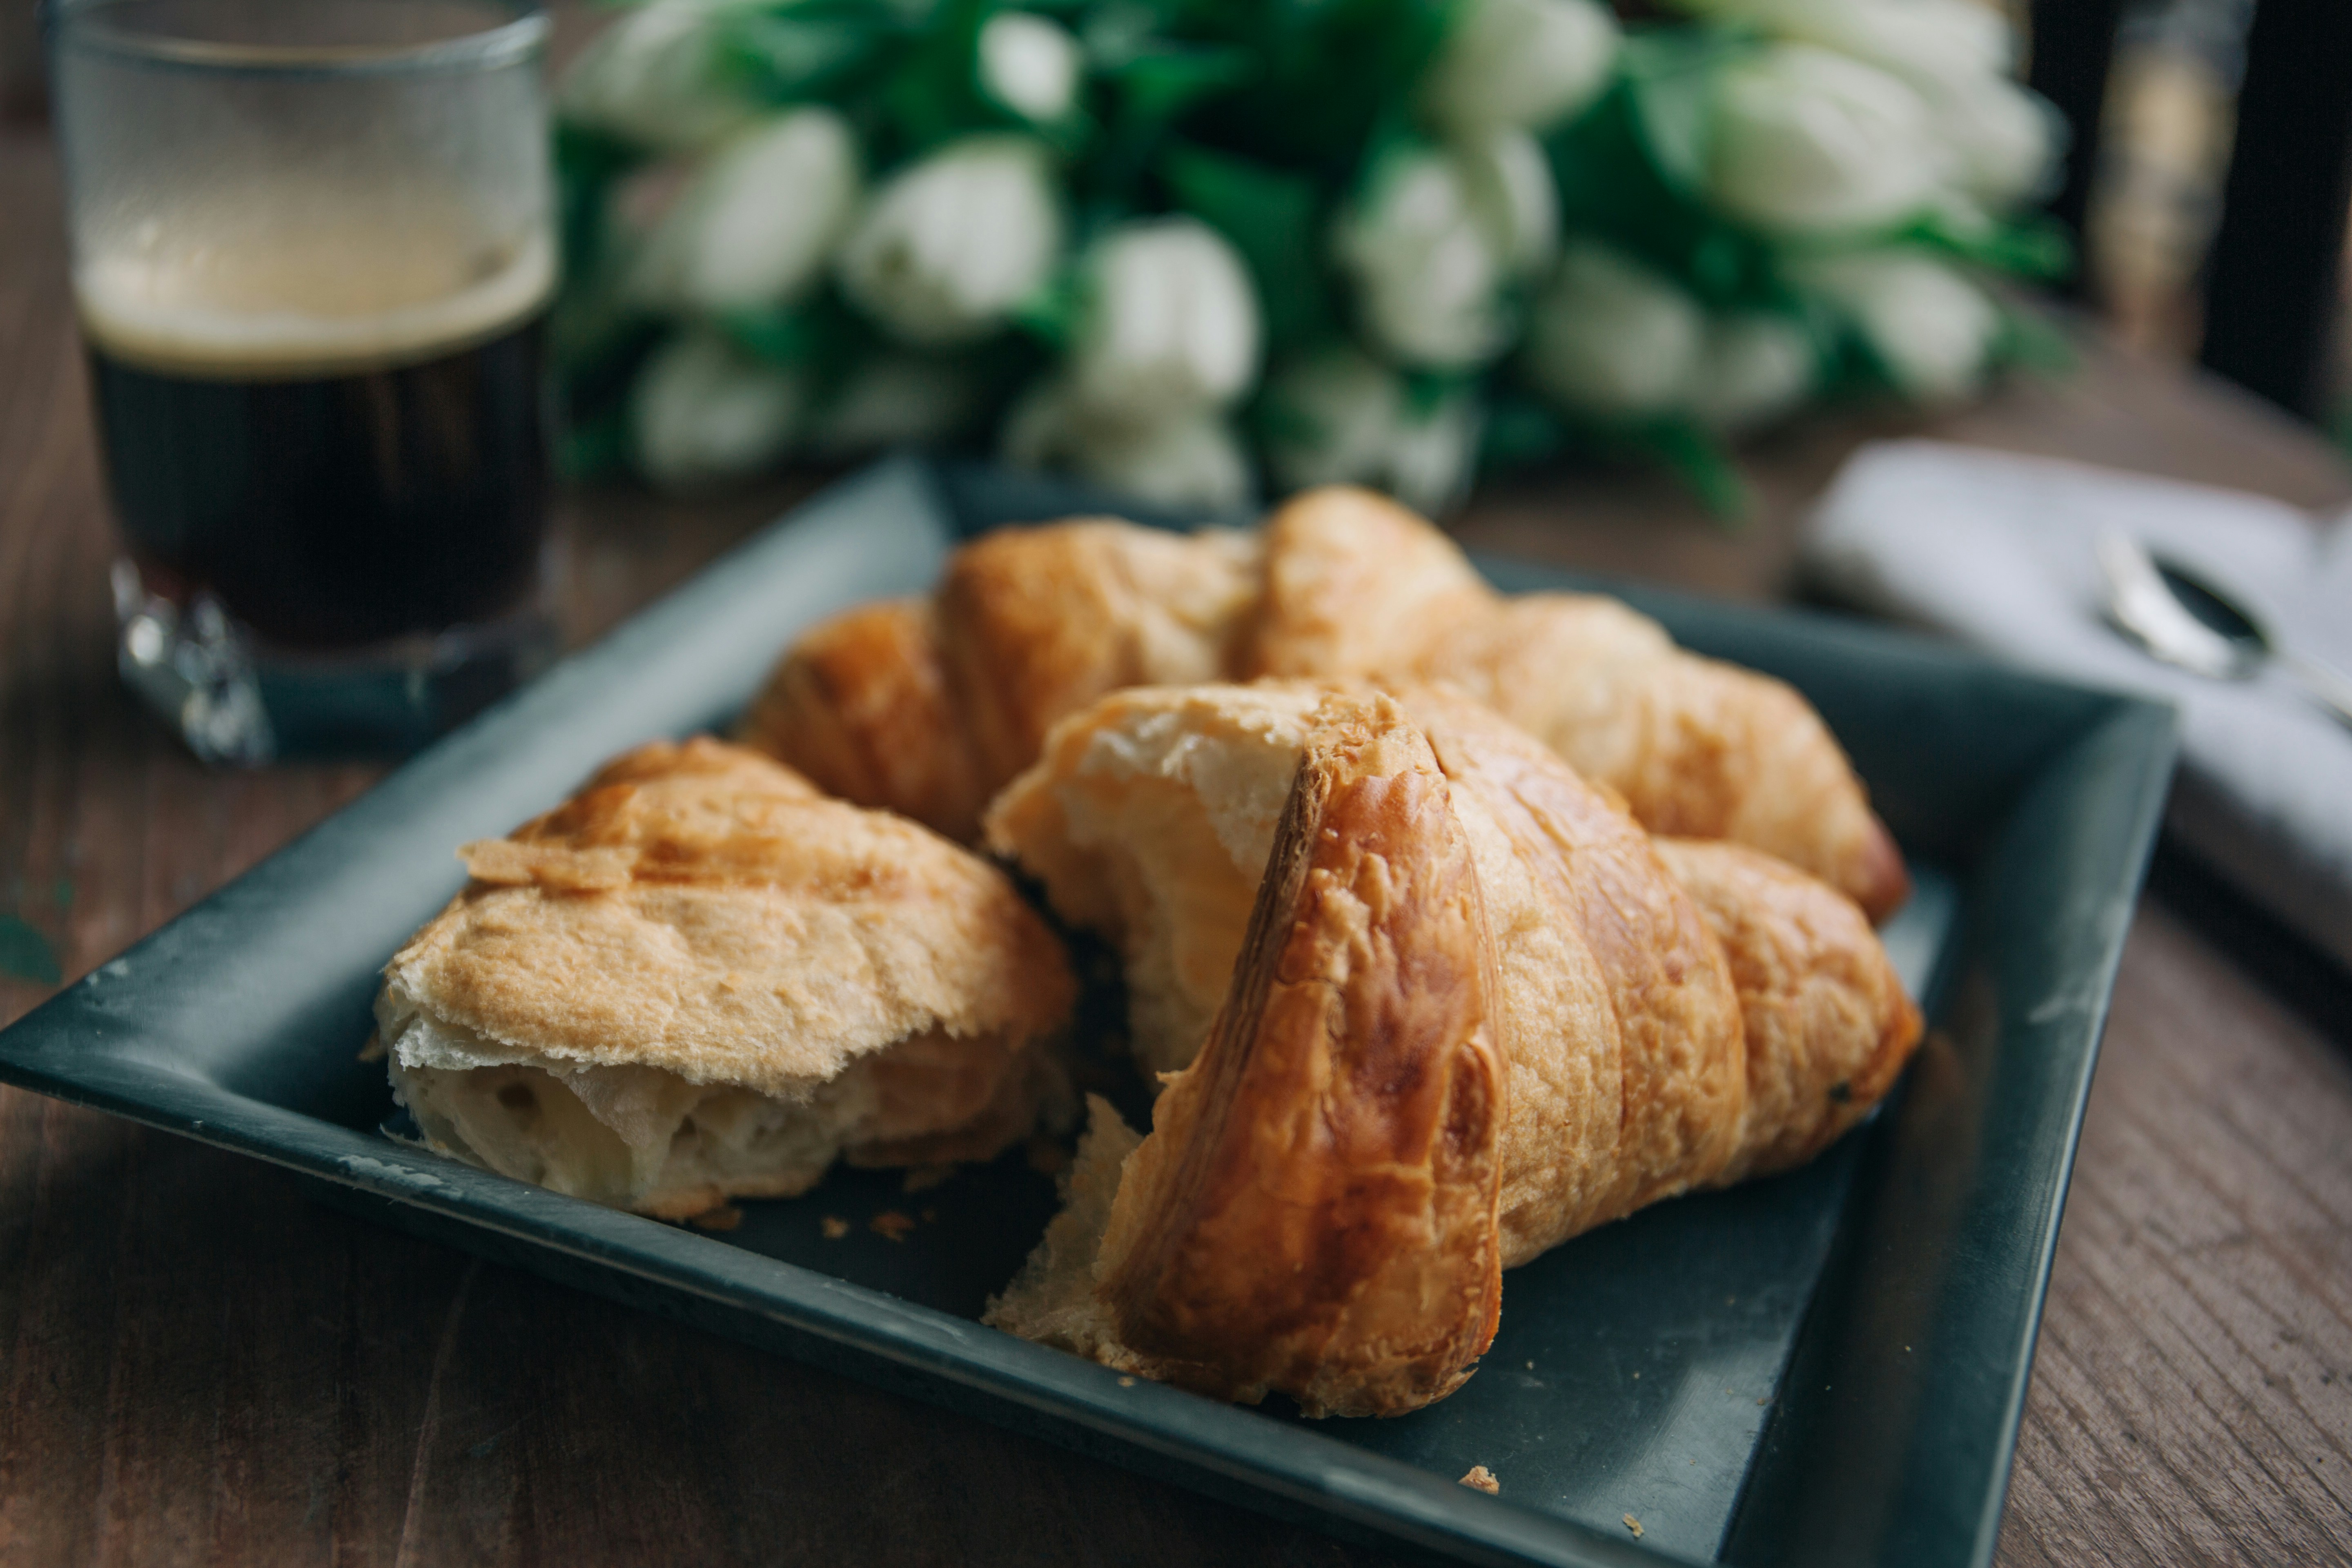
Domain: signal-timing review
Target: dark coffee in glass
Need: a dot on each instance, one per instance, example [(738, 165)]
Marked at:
[(313, 259), (331, 511)]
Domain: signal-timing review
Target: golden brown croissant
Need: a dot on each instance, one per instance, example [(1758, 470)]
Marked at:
[(1827, 1022), (1313, 1211), (930, 708), (1357, 585), (1661, 1021), (699, 979)]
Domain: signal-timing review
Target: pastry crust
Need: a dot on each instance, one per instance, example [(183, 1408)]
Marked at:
[(734, 978), (1149, 821), (863, 706), (1038, 623), (1359, 586), (928, 710), (1671, 1015), (1654, 1016), (1828, 1023), (1314, 1210)]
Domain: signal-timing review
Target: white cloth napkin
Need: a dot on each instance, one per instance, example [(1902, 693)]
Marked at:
[(1998, 551)]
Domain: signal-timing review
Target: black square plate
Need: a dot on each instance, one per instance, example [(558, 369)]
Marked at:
[(1828, 1367)]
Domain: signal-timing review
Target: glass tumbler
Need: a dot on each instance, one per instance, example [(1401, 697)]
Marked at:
[(313, 251)]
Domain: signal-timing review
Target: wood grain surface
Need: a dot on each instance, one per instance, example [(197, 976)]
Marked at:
[(198, 1365)]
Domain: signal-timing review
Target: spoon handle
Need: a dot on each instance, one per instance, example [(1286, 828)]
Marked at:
[(2324, 684)]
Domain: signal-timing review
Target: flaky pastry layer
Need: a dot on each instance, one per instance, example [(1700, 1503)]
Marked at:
[(699, 979), (1445, 911)]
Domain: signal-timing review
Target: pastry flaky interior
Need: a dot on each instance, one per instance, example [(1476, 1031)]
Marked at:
[(1426, 1004), (701, 979), (930, 706)]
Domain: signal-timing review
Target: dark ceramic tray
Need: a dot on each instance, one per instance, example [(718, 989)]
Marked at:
[(1824, 1368)]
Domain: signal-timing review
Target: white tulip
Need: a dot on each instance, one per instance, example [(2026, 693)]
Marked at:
[(894, 400), (1427, 265), (1524, 63), (654, 76), (1029, 64), (703, 411), (756, 224), (1342, 417), (951, 244), (1929, 326), (1921, 40), (1194, 460), (1612, 339), (1170, 323), (2004, 141), (1809, 142), (1511, 189), (1753, 369)]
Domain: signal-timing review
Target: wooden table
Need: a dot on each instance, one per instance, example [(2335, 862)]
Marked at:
[(198, 1364)]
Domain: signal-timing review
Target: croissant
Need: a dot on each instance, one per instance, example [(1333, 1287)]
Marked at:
[(1314, 1210), (1357, 585), (931, 707), (1473, 1010), (699, 979)]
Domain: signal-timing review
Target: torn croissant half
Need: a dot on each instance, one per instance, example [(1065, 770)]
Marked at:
[(930, 706), (1469, 1009), (1313, 1211), (701, 979)]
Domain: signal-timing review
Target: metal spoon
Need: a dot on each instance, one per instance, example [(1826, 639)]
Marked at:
[(2183, 619)]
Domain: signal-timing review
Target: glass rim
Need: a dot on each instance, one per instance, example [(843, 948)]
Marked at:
[(82, 25)]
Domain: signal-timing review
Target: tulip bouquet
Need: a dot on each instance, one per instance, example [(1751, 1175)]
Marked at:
[(1192, 248)]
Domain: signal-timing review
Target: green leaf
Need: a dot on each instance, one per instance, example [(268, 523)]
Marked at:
[(1674, 114), (587, 163), (1279, 421), (25, 953), (1609, 185), (1050, 313), (823, 339), (1427, 390), (812, 52), (1272, 217), (2036, 246), (1670, 78), (596, 447), (1518, 430), (1166, 80), (930, 92), (1700, 460), (775, 335)]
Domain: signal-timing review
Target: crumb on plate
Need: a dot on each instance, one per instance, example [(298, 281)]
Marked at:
[(833, 1226), (1482, 1479), (892, 1224)]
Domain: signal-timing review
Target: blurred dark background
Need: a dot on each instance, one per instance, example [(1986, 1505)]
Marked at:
[(2210, 181)]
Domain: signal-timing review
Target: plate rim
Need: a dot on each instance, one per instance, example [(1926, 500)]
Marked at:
[(1258, 1461)]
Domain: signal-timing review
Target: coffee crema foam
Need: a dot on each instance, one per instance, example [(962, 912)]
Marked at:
[(267, 307)]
